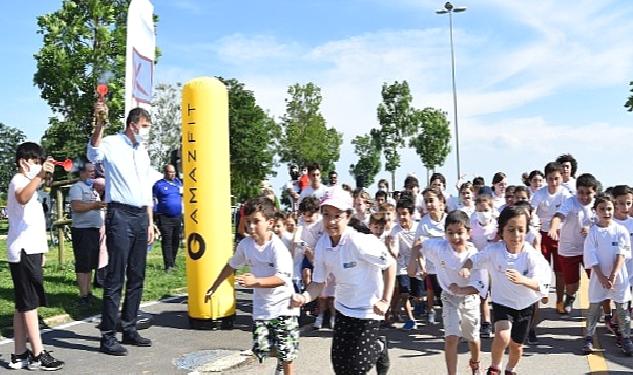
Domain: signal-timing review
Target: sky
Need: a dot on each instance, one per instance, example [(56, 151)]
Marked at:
[(534, 79)]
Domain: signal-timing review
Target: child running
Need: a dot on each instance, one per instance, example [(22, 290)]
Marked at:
[(519, 277), (275, 325), (460, 297), (607, 246)]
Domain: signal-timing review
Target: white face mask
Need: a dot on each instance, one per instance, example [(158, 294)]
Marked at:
[(34, 170), (484, 217), (142, 136)]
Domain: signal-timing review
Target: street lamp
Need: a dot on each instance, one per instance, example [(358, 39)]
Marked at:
[(450, 9)]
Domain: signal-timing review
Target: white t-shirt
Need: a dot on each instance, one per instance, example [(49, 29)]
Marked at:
[(357, 263), (547, 204), (311, 233), (468, 210), (448, 263), (570, 185), (310, 192), (628, 224), (602, 246), (404, 239), (271, 259), (577, 216), (27, 225), (429, 228), (498, 202), (530, 262), (482, 235)]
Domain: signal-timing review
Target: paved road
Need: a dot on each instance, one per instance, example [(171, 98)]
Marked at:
[(413, 352)]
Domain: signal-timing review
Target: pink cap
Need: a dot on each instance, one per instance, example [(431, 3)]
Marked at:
[(338, 198)]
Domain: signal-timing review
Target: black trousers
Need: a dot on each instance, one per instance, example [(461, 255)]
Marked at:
[(126, 239), (170, 228)]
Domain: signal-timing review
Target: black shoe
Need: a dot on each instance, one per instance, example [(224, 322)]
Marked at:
[(110, 345), (382, 365), (45, 361), (133, 338)]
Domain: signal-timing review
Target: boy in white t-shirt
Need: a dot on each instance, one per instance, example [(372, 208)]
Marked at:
[(576, 216), (26, 245), (460, 297), (606, 249), (519, 277), (623, 201), (547, 201), (276, 329)]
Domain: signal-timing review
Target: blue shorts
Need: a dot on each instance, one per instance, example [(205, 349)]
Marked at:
[(410, 285)]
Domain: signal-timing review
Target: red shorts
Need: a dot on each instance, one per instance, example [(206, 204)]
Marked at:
[(571, 268), (549, 249)]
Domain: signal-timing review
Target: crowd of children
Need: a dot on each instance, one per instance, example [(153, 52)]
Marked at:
[(486, 257)]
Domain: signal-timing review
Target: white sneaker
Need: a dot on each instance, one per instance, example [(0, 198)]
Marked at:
[(318, 323)]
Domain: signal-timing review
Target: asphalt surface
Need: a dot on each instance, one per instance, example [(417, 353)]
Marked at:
[(178, 349)]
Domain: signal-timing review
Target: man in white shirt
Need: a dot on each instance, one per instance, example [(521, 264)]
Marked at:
[(316, 188), (129, 180)]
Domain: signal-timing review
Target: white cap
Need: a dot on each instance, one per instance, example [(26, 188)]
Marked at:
[(338, 198)]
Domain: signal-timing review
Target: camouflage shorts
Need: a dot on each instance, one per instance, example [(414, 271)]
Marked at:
[(278, 337)]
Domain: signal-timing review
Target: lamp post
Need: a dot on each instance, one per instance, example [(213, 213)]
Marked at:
[(450, 9)]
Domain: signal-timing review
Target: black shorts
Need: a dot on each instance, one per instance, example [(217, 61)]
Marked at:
[(28, 282), (520, 320), (85, 248), (431, 283), (410, 285)]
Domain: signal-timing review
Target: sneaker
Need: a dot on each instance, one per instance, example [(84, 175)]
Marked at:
[(318, 323), (45, 361), (111, 346), (627, 347), (21, 361), (588, 345), (568, 303), (430, 317), (508, 372), (409, 325), (532, 339), (560, 308), (493, 371), (383, 363), (611, 324), (485, 332), (133, 338), (474, 367)]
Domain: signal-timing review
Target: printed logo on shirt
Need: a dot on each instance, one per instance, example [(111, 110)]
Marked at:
[(349, 264), (271, 264), (442, 263), (614, 243)]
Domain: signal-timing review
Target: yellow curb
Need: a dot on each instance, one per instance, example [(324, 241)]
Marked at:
[(597, 363)]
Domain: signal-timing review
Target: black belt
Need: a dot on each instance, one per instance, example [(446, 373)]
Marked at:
[(127, 207)]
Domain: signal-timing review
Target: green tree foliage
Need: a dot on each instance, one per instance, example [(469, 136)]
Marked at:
[(396, 124), (306, 138), (165, 132), (629, 103), (368, 164), (432, 143), (253, 141), (10, 138), (82, 42)]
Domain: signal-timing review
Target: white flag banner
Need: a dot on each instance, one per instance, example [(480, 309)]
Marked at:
[(140, 55)]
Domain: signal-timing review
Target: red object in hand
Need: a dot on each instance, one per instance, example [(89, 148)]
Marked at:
[(102, 90), (67, 164)]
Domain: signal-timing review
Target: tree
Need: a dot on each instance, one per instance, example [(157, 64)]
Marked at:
[(10, 138), (253, 141), (165, 132), (306, 139), (83, 41), (368, 164), (395, 118), (629, 103), (432, 143)]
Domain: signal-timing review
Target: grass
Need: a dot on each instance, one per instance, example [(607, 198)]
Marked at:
[(61, 289)]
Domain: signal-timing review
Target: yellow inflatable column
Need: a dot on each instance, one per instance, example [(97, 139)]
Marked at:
[(207, 199)]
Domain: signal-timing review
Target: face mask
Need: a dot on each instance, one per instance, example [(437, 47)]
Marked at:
[(89, 182), (484, 216), (34, 170), (142, 136)]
